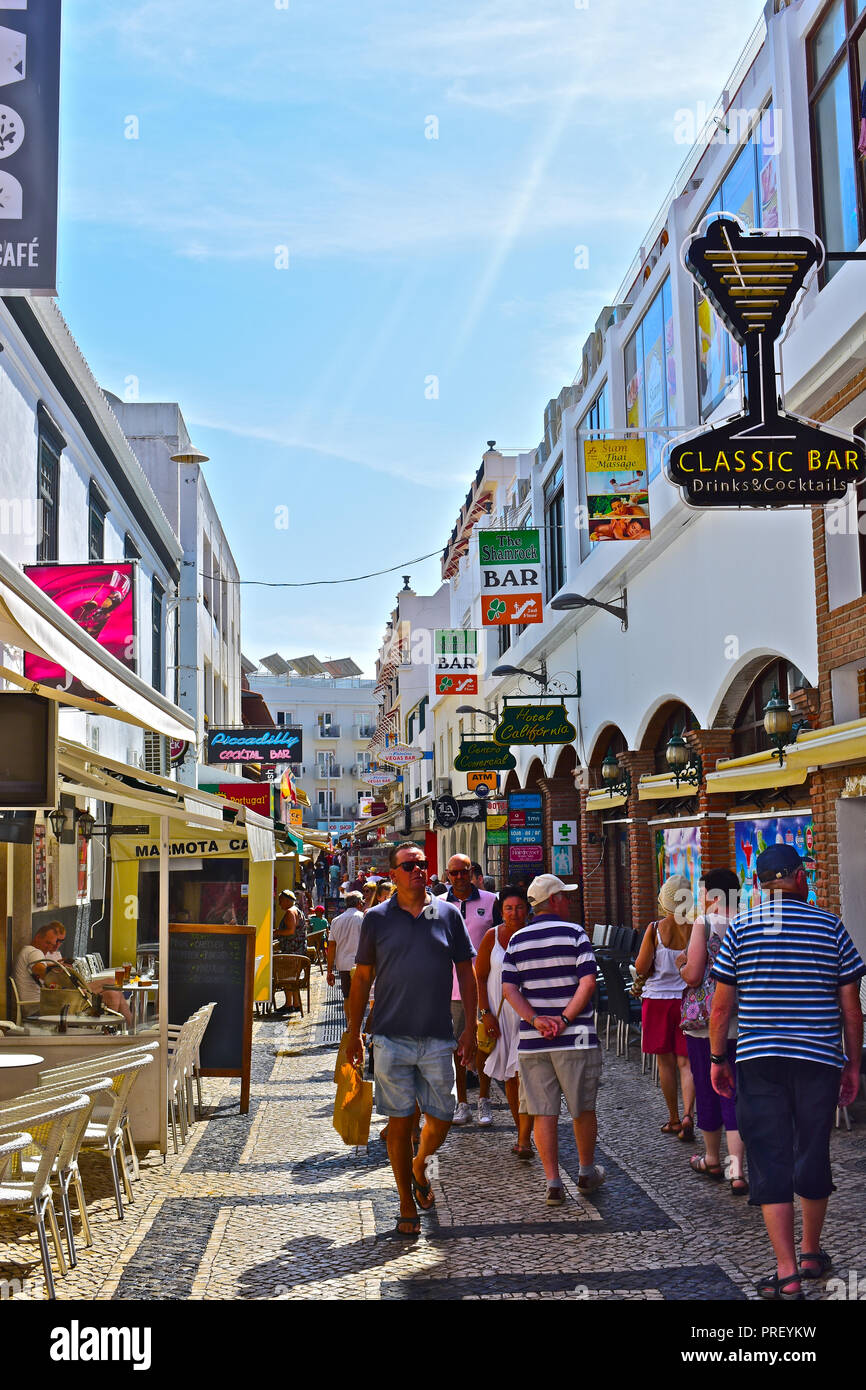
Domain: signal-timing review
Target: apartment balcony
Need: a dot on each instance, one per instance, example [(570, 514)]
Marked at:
[(363, 731), (323, 771), (328, 731)]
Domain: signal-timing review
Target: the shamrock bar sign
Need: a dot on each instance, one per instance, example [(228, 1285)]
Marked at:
[(510, 577)]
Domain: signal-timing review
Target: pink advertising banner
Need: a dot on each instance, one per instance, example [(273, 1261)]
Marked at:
[(101, 599)]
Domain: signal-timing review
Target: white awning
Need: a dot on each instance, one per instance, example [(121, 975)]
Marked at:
[(260, 836), (30, 620)]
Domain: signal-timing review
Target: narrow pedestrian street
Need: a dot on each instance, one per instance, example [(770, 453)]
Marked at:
[(270, 1205)]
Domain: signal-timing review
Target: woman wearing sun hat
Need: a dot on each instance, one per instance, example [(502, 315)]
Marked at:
[(661, 1035)]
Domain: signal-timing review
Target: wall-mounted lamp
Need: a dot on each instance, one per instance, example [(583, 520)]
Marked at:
[(780, 726), (685, 765), (617, 780)]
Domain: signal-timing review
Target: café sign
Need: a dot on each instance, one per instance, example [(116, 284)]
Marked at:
[(534, 724), (765, 457), (483, 755)]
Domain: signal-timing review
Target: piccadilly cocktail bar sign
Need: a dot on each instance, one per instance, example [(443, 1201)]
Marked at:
[(765, 457)]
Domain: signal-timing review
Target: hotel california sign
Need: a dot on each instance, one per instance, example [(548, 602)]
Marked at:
[(765, 457)]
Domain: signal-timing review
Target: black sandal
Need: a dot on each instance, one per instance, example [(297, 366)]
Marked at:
[(820, 1258), (774, 1288), (413, 1221), (687, 1130), (423, 1191)]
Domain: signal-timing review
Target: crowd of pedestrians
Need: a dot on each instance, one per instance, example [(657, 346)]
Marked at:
[(754, 1019)]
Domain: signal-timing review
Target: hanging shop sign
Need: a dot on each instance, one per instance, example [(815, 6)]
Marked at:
[(472, 810), (336, 828), (455, 661), (565, 832), (617, 491), (177, 750), (29, 129), (296, 817), (255, 795), (510, 577), (483, 755), (481, 779), (377, 779), (534, 724), (255, 745), (765, 457), (446, 812), (101, 599), (399, 754)]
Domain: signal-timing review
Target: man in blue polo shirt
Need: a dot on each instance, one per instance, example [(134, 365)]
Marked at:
[(793, 973), (411, 944)]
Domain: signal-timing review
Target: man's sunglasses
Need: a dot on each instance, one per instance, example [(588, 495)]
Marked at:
[(411, 864), (459, 873)]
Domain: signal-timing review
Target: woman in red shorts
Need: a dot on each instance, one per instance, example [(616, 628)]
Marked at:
[(663, 942)]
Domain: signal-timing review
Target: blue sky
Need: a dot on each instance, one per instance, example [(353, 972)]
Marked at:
[(264, 125)]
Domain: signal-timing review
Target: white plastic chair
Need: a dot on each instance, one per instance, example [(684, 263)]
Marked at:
[(34, 1192), (84, 1073)]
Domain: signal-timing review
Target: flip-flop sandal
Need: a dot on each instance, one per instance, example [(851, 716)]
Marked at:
[(819, 1258), (672, 1127), (699, 1165), (423, 1191), (524, 1154), (413, 1221), (742, 1190), (687, 1130)]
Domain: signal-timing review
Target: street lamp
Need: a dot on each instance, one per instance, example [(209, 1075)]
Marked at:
[(86, 824), (779, 724), (540, 676), (470, 709), (190, 455), (57, 818), (616, 779), (563, 601), (685, 765)]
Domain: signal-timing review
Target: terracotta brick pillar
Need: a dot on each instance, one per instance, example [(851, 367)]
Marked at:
[(640, 840), (560, 801), (717, 851)]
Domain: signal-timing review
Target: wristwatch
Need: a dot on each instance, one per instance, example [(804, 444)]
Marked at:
[(567, 1021), (717, 1061)]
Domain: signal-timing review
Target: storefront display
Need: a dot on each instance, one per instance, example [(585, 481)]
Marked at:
[(752, 837), (678, 851)]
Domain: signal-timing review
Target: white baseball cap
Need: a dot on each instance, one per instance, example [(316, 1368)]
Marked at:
[(544, 887)]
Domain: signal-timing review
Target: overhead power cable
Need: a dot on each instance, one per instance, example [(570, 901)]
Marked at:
[(309, 583)]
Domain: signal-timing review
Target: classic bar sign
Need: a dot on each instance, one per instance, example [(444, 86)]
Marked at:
[(29, 131), (510, 577), (765, 458), (456, 661)]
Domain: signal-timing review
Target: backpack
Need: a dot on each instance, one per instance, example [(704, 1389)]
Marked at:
[(698, 999)]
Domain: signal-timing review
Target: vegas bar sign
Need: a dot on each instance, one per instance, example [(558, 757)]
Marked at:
[(765, 457)]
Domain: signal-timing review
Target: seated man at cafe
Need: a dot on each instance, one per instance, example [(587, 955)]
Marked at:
[(32, 965)]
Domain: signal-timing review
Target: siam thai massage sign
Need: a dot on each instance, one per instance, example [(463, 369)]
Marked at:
[(766, 457)]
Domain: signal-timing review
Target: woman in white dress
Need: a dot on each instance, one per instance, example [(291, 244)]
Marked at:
[(499, 1019)]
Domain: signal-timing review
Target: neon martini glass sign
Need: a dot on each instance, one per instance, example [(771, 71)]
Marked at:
[(765, 457)]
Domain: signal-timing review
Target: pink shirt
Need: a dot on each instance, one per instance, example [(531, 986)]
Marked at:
[(477, 913)]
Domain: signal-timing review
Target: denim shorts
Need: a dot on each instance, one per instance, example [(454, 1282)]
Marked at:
[(415, 1070)]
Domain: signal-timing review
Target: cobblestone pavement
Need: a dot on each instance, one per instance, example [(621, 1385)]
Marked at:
[(272, 1205)]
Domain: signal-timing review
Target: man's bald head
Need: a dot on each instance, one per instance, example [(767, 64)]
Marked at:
[(459, 875)]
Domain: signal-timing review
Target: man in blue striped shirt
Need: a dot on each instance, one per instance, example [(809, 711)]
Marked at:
[(548, 978), (793, 972)]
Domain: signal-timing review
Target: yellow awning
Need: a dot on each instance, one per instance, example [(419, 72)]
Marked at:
[(662, 787), (753, 773), (837, 743), (601, 800)]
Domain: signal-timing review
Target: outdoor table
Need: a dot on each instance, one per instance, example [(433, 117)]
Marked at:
[(139, 992), (15, 1072)]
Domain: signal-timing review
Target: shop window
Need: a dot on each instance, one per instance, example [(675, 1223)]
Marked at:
[(97, 511), (837, 72), (650, 377), (157, 651), (554, 537), (749, 733), (49, 447)]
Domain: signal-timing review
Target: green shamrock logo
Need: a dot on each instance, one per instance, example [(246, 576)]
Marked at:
[(446, 683), (497, 606)]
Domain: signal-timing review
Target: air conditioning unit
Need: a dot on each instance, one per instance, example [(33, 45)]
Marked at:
[(443, 786), (156, 754)]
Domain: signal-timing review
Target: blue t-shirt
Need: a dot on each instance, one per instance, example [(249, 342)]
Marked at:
[(413, 959), (787, 961)]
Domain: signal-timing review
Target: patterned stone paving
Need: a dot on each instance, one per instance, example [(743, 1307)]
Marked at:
[(271, 1205)]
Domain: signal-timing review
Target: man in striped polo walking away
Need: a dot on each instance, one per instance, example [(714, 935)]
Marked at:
[(792, 971), (548, 977)]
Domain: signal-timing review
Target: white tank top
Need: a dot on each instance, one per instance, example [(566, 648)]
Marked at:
[(665, 982)]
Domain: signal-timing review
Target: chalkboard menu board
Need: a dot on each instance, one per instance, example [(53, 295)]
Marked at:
[(215, 963)]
